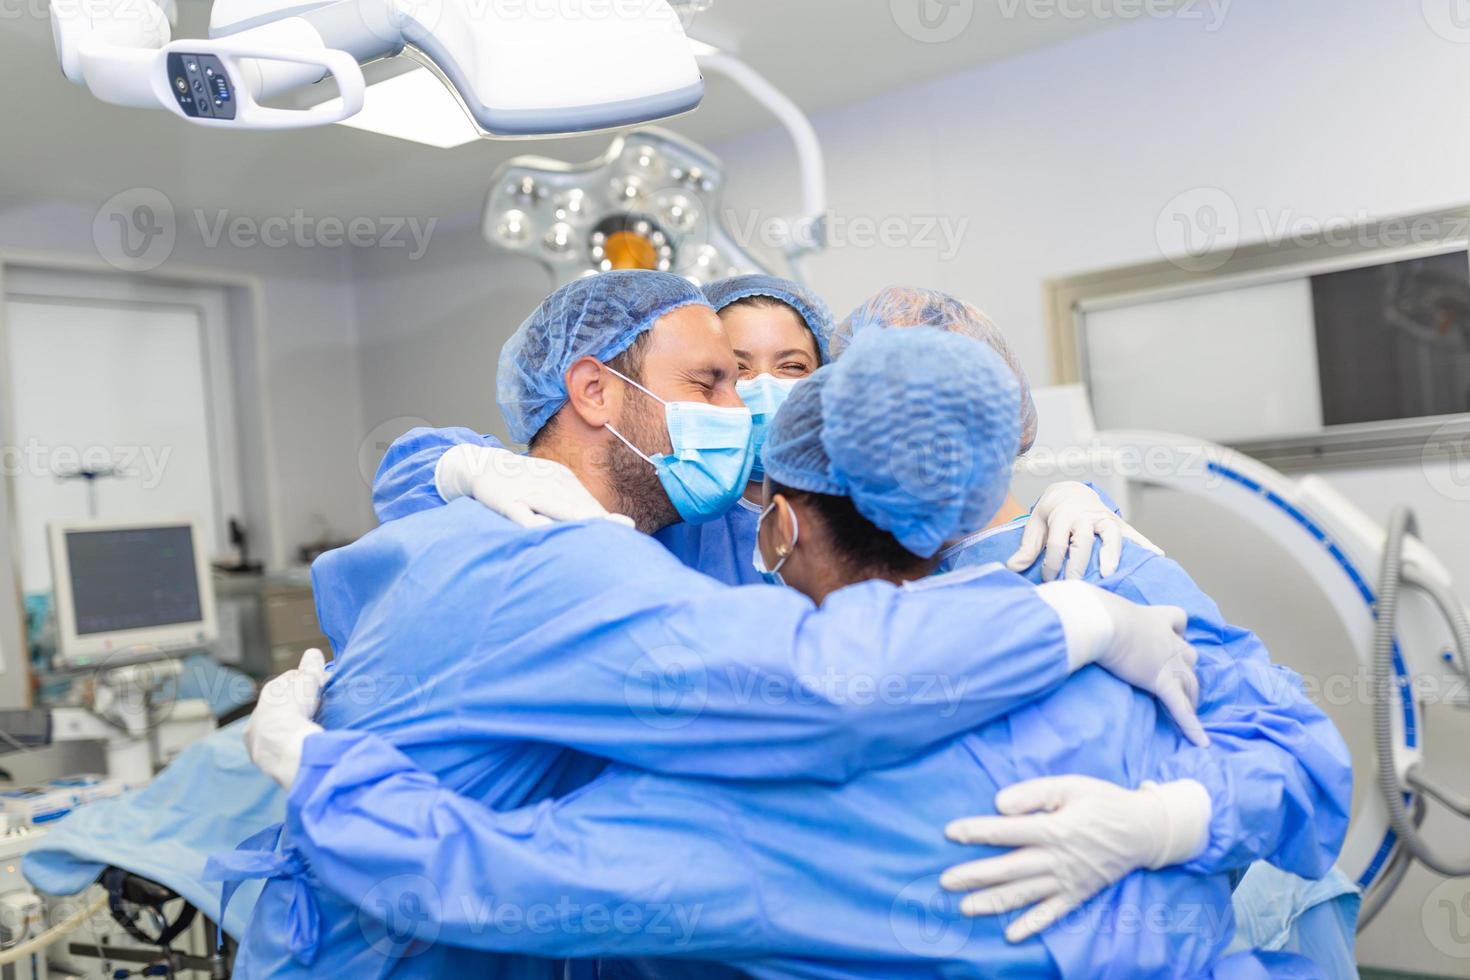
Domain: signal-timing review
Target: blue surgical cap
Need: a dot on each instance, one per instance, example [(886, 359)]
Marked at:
[(910, 306), (600, 317), (808, 305), (918, 428)]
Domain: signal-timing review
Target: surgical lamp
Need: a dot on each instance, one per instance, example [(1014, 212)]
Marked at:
[(652, 201), (526, 69)]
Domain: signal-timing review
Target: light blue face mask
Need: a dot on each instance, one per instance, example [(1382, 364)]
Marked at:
[(711, 459), (772, 576), (763, 394)]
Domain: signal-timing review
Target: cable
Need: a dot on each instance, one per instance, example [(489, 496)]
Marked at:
[(1378, 895), (54, 935), (15, 743), (1450, 607), (1400, 524)]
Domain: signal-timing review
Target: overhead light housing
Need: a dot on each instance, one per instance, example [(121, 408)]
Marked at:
[(652, 201), (415, 106)]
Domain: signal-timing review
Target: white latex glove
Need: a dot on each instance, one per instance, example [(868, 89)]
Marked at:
[(1066, 519), (531, 492), (1143, 645), (282, 719), (1089, 834)]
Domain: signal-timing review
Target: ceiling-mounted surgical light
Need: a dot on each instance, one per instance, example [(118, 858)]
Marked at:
[(513, 74), (652, 201)]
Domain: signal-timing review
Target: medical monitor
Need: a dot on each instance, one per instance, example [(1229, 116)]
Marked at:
[(130, 586)]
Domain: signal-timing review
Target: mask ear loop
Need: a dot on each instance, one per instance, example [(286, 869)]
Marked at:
[(783, 552), (636, 451), (635, 384), (609, 426)]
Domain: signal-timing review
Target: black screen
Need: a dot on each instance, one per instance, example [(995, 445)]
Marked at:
[(1393, 341), (132, 578)]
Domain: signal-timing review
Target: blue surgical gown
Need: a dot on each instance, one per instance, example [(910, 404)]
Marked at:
[(1278, 772), (780, 878), (722, 548), (480, 649), (1283, 799)]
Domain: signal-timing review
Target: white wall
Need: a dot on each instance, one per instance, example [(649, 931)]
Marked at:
[(430, 329), (302, 429)]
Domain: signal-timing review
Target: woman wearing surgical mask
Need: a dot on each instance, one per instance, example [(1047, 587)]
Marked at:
[(776, 328), (781, 333)]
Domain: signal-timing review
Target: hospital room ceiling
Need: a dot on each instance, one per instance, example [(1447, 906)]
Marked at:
[(59, 142)]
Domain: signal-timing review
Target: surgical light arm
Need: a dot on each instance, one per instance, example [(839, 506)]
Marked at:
[(515, 72), (808, 232)]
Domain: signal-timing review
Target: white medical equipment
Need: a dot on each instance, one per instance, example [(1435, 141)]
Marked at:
[(653, 201), (1420, 634), (129, 597), (533, 68), (22, 911), (130, 586), (97, 932)]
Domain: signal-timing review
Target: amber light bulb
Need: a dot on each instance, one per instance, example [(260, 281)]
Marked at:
[(630, 250)]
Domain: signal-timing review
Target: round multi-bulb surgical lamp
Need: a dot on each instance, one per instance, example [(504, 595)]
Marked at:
[(652, 201)]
